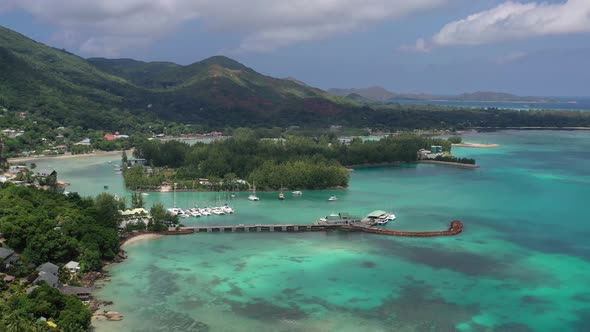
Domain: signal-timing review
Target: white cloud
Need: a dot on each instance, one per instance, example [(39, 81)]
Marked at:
[(106, 26), (513, 21), (512, 57)]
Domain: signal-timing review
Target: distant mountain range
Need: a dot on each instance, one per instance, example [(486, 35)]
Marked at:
[(62, 89), (380, 94)]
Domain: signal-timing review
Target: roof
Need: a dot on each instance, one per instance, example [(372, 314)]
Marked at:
[(5, 253), (51, 279), (376, 213), (31, 289), (110, 137), (134, 212), (72, 265), (73, 290), (48, 268)]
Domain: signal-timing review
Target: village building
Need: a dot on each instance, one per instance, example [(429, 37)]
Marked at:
[(49, 273), (85, 141), (72, 267), (132, 162), (7, 258), (83, 293)]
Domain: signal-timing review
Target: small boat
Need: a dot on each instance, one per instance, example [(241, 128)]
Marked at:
[(233, 195), (281, 196), (253, 197), (227, 209), (145, 194), (297, 193), (106, 187), (332, 198)]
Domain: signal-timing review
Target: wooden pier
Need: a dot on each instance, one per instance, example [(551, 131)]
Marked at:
[(456, 227)]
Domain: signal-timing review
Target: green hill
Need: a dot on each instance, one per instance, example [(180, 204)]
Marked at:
[(64, 89), (102, 93)]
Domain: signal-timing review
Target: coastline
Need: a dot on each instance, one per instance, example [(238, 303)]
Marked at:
[(68, 156), (99, 307), (531, 128), (140, 237), (475, 145)]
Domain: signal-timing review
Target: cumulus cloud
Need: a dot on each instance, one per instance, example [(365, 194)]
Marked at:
[(110, 25), (513, 21)]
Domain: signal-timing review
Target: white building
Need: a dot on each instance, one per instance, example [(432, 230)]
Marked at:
[(72, 267)]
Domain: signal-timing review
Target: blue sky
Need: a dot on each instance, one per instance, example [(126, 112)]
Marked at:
[(435, 46)]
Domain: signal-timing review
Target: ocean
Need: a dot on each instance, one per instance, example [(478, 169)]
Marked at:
[(560, 104), (522, 263)]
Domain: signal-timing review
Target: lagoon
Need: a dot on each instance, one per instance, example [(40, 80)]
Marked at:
[(522, 263)]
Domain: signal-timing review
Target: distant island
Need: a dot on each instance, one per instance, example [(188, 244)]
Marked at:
[(380, 94)]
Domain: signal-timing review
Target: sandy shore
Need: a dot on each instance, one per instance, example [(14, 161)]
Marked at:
[(141, 237), (69, 156), (476, 145)]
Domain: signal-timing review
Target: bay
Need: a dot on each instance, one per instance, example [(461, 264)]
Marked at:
[(522, 263)]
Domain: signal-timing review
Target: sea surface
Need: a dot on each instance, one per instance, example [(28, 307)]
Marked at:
[(558, 103), (522, 263)]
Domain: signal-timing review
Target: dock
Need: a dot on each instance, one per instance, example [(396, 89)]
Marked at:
[(456, 227)]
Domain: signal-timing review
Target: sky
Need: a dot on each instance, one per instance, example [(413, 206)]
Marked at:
[(539, 48)]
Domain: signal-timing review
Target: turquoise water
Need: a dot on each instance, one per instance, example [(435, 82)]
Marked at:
[(522, 264), (560, 104)]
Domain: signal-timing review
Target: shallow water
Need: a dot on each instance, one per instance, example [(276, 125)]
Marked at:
[(522, 263)]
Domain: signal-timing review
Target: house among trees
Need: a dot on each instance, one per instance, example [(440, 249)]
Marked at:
[(7, 258), (85, 141), (82, 293), (72, 267), (133, 162), (49, 273)]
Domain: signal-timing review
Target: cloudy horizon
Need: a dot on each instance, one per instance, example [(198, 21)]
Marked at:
[(434, 46)]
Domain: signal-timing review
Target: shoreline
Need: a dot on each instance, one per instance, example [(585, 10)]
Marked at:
[(475, 145), (99, 307), (140, 237), (68, 156), (531, 128)]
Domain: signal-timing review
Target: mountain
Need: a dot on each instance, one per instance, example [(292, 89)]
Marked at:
[(379, 94), (59, 88), (114, 93), (374, 93)]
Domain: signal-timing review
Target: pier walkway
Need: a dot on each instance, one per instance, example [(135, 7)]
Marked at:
[(455, 228)]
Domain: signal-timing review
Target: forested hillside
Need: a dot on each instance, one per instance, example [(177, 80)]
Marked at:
[(67, 90)]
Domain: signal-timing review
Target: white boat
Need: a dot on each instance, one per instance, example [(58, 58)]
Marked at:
[(333, 198), (297, 193), (217, 211), (205, 212), (145, 194), (391, 217), (253, 197), (227, 209)]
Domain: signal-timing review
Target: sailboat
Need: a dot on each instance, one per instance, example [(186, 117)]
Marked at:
[(281, 195), (253, 196)]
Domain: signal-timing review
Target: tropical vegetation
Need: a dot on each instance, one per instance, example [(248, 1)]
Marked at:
[(292, 162)]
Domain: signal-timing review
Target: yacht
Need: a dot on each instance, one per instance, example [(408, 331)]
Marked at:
[(297, 193), (281, 196), (253, 196), (333, 198), (227, 209)]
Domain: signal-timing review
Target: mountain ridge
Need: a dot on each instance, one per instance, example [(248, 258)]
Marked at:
[(380, 94)]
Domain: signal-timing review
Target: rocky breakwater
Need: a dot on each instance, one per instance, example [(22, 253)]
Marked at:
[(107, 315)]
